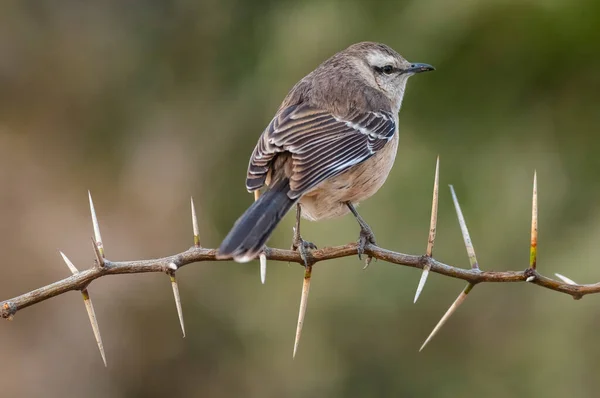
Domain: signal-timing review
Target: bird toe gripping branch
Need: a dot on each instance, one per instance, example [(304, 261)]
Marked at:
[(80, 280)]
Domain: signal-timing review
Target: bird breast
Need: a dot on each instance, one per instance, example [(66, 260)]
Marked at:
[(360, 182)]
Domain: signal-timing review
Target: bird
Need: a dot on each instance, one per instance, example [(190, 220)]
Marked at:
[(330, 146)]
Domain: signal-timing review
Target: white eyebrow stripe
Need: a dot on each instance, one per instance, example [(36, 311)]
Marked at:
[(380, 59)]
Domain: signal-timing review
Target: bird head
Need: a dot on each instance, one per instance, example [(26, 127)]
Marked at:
[(384, 68)]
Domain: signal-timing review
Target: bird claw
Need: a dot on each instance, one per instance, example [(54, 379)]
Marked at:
[(298, 244), (366, 237), (303, 247)]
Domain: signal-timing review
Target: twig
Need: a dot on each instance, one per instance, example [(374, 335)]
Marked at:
[(193, 255)]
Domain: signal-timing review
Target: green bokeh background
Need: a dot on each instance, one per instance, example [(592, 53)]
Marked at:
[(147, 103)]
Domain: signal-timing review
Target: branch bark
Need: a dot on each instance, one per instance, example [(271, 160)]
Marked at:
[(81, 280)]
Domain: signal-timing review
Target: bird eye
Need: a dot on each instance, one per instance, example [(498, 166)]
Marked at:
[(388, 69)]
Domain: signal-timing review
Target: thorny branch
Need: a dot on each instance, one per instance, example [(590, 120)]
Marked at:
[(193, 255), (80, 280)]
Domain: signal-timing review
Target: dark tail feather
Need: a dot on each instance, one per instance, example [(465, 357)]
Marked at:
[(252, 230)]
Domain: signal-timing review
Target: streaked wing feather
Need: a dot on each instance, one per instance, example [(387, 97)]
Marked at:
[(302, 182), (322, 145)]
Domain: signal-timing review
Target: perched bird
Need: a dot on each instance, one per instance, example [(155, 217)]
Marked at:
[(330, 145)]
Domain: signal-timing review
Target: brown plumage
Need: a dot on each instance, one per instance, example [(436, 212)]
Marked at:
[(330, 145)]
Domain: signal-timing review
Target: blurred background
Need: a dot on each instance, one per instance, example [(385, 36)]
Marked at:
[(148, 103)]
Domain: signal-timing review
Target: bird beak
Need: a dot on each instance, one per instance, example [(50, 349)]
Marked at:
[(418, 68)]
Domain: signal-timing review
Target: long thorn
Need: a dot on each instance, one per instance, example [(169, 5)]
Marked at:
[(465, 232), (534, 225), (432, 228), (459, 300), (72, 267), (195, 224), (99, 258), (262, 257), (92, 314), (303, 302), (175, 287), (89, 307), (566, 280), (97, 235), (422, 281), (434, 209), (263, 267), (297, 234)]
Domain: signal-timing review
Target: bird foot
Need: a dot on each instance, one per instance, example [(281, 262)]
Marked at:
[(303, 247), (366, 237)]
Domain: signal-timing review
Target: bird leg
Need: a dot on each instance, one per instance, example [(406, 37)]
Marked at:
[(300, 244), (366, 234)]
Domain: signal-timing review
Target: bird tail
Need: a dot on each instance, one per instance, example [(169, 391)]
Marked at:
[(252, 230)]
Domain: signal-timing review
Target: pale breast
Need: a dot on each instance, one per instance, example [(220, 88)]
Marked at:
[(328, 199)]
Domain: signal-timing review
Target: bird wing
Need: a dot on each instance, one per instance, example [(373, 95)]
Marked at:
[(322, 145)]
